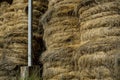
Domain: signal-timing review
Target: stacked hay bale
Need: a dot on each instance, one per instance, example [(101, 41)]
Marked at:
[(4, 74), (14, 43), (15, 48), (62, 37), (39, 8), (100, 38)]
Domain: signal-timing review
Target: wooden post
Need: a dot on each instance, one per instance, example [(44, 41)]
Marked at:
[(26, 72)]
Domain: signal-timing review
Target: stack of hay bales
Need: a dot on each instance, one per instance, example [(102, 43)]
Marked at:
[(100, 38), (13, 39), (61, 37), (39, 8), (4, 74)]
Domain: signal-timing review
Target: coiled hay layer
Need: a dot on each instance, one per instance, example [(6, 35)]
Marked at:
[(99, 28), (60, 26), (62, 34), (58, 64), (100, 20), (13, 38), (97, 65), (59, 23)]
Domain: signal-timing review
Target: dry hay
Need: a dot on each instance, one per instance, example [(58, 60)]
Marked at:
[(61, 33), (60, 37), (56, 2), (99, 28), (90, 5), (3, 6), (99, 32), (96, 73), (60, 25), (13, 40), (63, 8), (58, 64), (97, 65), (8, 71), (16, 38), (100, 22)]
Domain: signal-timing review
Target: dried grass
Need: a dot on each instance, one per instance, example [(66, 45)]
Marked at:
[(111, 6), (13, 38), (99, 33), (63, 32), (59, 64), (99, 28), (111, 21)]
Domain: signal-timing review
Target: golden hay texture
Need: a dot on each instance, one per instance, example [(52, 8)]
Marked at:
[(99, 28), (13, 38), (58, 64), (59, 23)]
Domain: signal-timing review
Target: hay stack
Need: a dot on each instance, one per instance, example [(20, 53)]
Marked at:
[(39, 8), (60, 31), (58, 64), (99, 27), (13, 39), (61, 26), (15, 48)]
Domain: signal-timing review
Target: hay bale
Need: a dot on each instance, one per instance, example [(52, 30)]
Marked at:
[(61, 33), (13, 39), (99, 29), (62, 23), (59, 23), (16, 39), (96, 73), (59, 63)]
